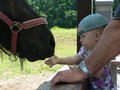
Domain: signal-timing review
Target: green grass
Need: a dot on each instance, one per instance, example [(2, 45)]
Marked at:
[(65, 46)]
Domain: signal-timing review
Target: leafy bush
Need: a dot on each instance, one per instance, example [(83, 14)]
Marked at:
[(60, 12)]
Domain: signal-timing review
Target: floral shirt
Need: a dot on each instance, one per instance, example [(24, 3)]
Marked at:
[(105, 81)]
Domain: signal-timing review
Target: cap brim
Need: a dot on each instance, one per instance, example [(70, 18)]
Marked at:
[(80, 32)]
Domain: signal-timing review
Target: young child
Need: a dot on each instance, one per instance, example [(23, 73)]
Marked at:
[(90, 30)]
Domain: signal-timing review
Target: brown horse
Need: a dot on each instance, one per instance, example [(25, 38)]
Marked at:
[(30, 37)]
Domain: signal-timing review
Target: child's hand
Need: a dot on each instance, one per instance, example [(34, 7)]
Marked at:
[(52, 61)]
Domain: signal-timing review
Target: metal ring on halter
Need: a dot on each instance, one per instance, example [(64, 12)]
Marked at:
[(15, 58), (17, 25)]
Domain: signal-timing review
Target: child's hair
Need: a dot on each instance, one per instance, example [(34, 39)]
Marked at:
[(93, 22)]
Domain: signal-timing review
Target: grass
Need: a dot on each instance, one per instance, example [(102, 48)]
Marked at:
[(65, 46)]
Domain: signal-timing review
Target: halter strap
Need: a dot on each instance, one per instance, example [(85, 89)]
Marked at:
[(20, 26)]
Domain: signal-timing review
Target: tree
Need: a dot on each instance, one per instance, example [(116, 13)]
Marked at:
[(62, 13)]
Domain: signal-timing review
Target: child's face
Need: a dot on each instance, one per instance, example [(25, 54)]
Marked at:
[(88, 40)]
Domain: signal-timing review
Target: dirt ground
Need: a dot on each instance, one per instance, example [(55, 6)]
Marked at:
[(25, 82), (33, 82)]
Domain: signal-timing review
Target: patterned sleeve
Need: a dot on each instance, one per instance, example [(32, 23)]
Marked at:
[(81, 52), (117, 12)]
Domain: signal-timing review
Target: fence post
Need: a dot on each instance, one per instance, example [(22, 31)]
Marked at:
[(105, 7), (84, 8)]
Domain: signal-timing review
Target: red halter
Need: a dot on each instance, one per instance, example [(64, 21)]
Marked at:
[(20, 26)]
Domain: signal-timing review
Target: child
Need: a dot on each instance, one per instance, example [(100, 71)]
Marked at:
[(90, 30)]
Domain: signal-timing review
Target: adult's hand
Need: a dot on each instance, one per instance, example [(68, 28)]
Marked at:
[(69, 76)]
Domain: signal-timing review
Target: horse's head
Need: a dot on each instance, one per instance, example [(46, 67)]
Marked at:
[(33, 43)]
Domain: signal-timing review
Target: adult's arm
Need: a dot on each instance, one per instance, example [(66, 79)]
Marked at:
[(108, 46)]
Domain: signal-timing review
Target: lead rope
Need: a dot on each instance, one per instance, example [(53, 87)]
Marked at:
[(21, 63), (1, 55), (12, 57)]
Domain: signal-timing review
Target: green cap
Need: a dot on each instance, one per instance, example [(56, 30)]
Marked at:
[(92, 22)]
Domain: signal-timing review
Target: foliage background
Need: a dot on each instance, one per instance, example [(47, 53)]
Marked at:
[(62, 13)]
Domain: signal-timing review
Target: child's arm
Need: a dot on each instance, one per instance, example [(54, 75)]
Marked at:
[(70, 60), (66, 60)]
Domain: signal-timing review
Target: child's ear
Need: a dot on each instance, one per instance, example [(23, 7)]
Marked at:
[(97, 36)]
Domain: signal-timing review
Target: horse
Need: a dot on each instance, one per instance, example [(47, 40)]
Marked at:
[(24, 33)]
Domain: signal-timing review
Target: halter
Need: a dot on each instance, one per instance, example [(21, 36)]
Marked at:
[(15, 27)]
